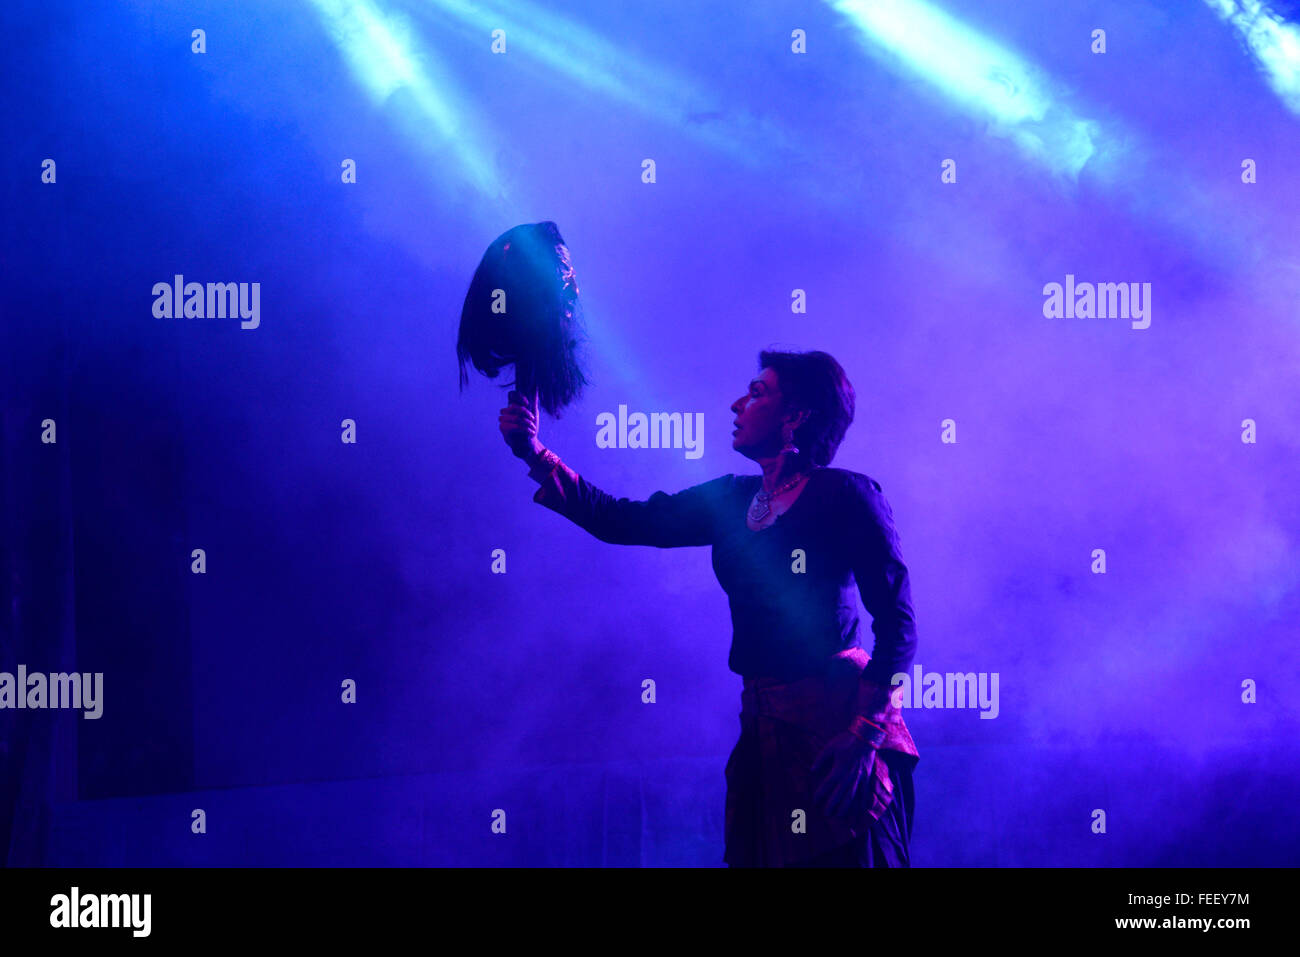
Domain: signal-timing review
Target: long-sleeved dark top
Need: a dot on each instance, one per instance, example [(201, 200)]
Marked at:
[(790, 585)]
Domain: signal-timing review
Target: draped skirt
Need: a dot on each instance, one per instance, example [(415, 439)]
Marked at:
[(772, 819)]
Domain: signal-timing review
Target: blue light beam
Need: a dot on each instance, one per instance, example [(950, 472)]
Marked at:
[(1271, 40), (1018, 100), (386, 58)]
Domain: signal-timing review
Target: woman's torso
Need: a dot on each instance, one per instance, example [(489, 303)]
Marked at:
[(790, 584)]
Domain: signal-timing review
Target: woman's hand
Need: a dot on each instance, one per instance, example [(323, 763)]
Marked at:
[(518, 423), (844, 767)]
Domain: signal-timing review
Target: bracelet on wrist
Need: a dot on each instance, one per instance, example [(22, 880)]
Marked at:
[(543, 464)]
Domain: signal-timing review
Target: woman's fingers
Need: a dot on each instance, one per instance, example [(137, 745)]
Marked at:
[(509, 421), (828, 791), (828, 803), (862, 804), (820, 762), (519, 411), (823, 791), (848, 793), (518, 423), (837, 792)]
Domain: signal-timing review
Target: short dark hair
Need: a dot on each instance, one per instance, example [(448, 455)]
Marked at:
[(816, 382)]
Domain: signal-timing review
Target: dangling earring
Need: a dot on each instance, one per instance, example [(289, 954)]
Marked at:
[(790, 447)]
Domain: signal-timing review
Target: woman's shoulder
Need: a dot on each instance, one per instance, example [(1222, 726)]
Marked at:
[(735, 482), (723, 485), (863, 502), (838, 482), (857, 483)]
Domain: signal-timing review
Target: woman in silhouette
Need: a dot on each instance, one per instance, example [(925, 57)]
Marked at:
[(822, 773)]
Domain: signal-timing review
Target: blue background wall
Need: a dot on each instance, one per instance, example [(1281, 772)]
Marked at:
[(775, 171)]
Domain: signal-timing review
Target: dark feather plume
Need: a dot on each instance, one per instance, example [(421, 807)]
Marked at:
[(540, 331)]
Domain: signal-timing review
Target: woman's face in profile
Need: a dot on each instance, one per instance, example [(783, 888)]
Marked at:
[(759, 417)]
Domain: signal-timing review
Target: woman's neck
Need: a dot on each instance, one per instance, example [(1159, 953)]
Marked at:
[(778, 470)]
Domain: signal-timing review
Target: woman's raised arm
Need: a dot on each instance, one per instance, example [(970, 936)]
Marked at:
[(685, 518), (664, 521)]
